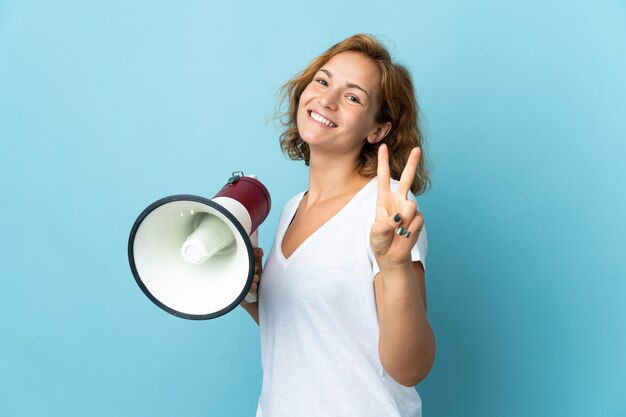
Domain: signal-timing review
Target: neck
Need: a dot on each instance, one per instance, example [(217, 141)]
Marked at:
[(333, 177)]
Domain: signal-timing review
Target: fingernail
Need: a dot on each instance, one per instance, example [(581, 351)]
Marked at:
[(397, 218), (400, 231), (407, 234)]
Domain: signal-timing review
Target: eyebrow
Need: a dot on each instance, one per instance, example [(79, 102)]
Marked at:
[(349, 85)]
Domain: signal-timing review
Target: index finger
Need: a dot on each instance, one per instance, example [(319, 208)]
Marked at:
[(383, 169), (408, 174)]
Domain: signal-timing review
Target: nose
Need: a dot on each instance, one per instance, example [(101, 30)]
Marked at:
[(328, 99)]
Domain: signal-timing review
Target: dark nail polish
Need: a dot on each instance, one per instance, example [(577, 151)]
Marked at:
[(397, 218), (400, 231), (407, 234)]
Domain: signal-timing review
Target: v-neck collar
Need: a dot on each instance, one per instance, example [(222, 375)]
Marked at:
[(279, 243)]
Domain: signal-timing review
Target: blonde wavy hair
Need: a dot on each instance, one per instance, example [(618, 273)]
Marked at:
[(398, 105)]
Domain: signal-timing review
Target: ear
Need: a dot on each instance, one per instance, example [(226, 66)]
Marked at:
[(380, 133)]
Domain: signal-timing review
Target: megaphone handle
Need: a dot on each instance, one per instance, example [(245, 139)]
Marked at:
[(253, 297)]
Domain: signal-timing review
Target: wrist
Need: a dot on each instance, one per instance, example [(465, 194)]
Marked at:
[(394, 267)]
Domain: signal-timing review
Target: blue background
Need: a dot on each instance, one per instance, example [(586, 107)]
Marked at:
[(108, 106)]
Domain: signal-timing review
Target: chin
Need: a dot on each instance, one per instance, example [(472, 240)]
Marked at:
[(308, 139)]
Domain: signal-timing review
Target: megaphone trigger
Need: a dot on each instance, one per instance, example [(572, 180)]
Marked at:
[(254, 239), (253, 297)]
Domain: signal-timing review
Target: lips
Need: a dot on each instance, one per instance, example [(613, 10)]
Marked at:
[(321, 119)]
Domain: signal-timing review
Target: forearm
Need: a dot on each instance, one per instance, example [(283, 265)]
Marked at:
[(252, 309), (406, 342)]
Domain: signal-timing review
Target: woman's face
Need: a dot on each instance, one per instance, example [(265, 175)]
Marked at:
[(337, 109)]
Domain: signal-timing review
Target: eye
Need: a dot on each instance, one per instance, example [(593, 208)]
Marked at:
[(321, 81), (353, 98)]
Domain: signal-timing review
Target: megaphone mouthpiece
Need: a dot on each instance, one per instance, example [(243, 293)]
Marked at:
[(211, 237)]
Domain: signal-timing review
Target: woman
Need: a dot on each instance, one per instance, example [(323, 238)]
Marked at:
[(342, 303)]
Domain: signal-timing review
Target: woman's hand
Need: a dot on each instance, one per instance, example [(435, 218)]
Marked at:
[(398, 223), (258, 266)]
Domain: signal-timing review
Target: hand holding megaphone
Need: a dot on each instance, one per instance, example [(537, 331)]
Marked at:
[(194, 257)]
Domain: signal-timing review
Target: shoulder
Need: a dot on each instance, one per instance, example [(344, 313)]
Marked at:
[(393, 186), (294, 200), (291, 205)]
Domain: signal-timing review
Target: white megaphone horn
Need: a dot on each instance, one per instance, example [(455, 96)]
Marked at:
[(192, 256)]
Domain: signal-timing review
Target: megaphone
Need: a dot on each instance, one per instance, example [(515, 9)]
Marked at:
[(193, 256)]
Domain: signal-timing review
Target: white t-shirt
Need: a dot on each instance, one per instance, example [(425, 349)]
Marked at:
[(318, 321)]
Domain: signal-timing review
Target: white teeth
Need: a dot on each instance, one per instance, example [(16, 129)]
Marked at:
[(322, 120)]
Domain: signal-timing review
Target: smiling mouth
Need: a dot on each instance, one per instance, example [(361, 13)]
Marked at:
[(321, 119)]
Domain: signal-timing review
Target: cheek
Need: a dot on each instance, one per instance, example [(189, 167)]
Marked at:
[(367, 120), (301, 108), (306, 95), (360, 120), (305, 99)]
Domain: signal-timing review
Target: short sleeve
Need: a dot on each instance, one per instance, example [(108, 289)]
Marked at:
[(419, 251)]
